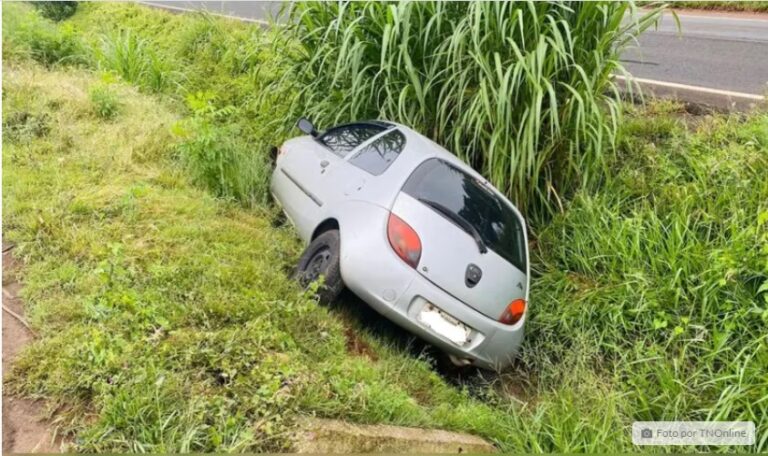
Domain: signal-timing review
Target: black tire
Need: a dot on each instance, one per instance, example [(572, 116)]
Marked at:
[(321, 258)]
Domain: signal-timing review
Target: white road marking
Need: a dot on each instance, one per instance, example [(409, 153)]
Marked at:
[(674, 85), (716, 17)]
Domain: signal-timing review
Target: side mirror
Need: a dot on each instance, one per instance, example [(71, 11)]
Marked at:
[(306, 126)]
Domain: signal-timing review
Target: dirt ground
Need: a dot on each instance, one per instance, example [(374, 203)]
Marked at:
[(24, 431)]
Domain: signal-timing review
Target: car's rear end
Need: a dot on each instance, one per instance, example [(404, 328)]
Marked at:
[(461, 250)]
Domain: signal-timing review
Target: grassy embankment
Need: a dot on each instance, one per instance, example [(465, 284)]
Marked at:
[(750, 6), (167, 322)]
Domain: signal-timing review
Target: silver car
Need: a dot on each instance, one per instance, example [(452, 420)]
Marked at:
[(413, 231)]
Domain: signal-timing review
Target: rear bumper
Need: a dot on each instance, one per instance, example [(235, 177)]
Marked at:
[(372, 270), (492, 346)]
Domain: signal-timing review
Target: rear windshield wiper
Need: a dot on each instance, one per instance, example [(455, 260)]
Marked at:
[(458, 220)]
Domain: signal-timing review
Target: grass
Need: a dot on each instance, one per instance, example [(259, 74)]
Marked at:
[(522, 91), (225, 63), (751, 6), (167, 322), (130, 57)]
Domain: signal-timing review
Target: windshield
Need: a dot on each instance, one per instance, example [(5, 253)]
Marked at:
[(495, 221)]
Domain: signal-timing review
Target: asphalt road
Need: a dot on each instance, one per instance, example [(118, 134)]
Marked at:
[(719, 52), (252, 10), (726, 53)]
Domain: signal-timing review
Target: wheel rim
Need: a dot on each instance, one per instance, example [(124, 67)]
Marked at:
[(316, 265)]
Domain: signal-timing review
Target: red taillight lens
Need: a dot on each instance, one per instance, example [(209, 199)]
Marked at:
[(404, 241), (513, 313)]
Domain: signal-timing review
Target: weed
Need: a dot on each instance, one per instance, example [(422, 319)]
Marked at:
[(26, 34), (218, 156), (22, 126), (105, 102), (132, 58)]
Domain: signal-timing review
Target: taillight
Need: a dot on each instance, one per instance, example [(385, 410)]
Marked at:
[(404, 241), (513, 313)]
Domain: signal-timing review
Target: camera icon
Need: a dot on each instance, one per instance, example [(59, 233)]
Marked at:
[(646, 433)]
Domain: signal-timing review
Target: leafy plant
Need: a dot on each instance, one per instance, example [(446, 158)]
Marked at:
[(105, 102), (218, 156), (522, 91), (23, 126)]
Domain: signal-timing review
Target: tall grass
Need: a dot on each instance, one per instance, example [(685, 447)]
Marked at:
[(132, 57), (520, 90), (57, 10), (665, 271)]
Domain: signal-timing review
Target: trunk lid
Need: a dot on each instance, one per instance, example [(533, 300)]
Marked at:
[(439, 201)]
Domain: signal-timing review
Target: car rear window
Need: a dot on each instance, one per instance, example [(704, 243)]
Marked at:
[(376, 157), (344, 138), (436, 180)]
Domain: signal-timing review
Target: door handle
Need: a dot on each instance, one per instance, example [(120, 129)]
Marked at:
[(324, 163)]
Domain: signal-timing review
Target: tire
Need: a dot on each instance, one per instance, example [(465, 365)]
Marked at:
[(321, 258)]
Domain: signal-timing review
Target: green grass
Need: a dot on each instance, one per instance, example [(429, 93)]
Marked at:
[(167, 322), (520, 90), (226, 63), (752, 6), (104, 101)]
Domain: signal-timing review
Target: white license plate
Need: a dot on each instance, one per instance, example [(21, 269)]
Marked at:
[(444, 324)]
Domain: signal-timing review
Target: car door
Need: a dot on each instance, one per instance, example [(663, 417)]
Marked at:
[(366, 163), (315, 166)]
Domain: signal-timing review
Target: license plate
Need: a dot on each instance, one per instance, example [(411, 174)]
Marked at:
[(444, 324)]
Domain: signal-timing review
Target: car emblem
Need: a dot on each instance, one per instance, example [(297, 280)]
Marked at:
[(473, 275)]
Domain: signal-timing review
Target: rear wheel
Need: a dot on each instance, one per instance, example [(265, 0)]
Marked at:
[(321, 259)]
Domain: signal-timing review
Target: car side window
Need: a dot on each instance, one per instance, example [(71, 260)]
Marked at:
[(345, 138), (376, 157)]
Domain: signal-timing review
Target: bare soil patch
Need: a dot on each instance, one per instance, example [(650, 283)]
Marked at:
[(357, 346), (24, 428)]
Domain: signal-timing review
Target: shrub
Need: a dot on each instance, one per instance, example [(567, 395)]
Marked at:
[(105, 102), (218, 155), (520, 90), (27, 35), (56, 11)]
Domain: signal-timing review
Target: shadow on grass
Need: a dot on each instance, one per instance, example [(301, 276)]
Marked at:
[(362, 317)]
